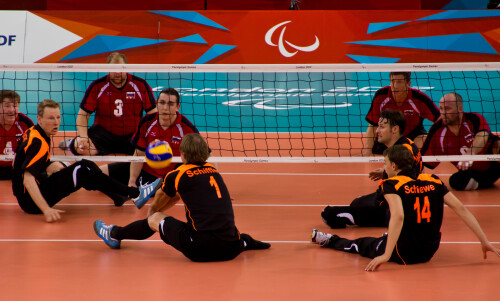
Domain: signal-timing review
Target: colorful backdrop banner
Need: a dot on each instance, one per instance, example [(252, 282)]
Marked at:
[(250, 37)]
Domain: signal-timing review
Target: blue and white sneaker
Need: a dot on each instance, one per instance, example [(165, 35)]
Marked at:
[(104, 231), (145, 192)]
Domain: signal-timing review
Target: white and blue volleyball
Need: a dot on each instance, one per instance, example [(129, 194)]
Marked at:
[(158, 154)]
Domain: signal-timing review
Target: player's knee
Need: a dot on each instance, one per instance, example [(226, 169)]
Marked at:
[(462, 181), (155, 219)]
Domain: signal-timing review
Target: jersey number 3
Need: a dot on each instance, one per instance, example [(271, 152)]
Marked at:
[(424, 212), (119, 108)]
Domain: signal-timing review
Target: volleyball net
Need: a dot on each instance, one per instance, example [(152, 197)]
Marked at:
[(265, 113)]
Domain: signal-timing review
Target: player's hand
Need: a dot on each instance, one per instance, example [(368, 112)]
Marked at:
[(488, 247), (376, 174), (376, 262), (464, 165), (52, 215), (82, 143)]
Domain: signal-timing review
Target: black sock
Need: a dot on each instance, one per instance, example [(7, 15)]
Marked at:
[(253, 244), (133, 192), (137, 230)]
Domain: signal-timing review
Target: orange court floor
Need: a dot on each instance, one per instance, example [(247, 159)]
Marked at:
[(277, 203)]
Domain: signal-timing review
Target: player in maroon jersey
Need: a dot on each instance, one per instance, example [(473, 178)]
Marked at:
[(414, 104), (416, 204), (461, 133), (118, 100), (12, 126), (165, 125)]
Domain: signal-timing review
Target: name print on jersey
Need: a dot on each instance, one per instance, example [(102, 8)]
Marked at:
[(200, 171), (419, 189)]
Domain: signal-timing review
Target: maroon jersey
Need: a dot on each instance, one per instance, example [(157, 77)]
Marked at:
[(118, 110), (415, 108), (150, 130), (8, 139), (442, 142)]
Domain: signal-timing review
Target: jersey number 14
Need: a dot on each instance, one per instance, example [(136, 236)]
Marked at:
[(423, 212)]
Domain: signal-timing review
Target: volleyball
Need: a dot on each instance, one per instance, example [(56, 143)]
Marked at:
[(158, 154)]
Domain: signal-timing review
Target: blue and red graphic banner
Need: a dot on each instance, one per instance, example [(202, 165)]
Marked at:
[(251, 37)]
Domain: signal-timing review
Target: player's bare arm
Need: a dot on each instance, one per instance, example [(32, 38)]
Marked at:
[(395, 226), (83, 144), (162, 202), (135, 169), (51, 214), (54, 167), (468, 218), (369, 140)]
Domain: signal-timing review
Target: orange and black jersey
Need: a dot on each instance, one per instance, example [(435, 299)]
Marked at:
[(409, 144), (33, 155), (206, 199), (423, 200)]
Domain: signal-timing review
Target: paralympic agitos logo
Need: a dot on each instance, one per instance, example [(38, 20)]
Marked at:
[(281, 41)]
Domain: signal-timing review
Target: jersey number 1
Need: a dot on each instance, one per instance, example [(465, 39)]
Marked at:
[(425, 212), (214, 184)]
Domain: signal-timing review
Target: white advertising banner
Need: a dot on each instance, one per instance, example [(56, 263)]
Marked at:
[(12, 36)]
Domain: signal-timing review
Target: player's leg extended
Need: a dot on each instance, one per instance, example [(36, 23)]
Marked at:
[(370, 247), (338, 217)]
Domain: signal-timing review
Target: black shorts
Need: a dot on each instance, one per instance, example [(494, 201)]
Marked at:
[(5, 173), (198, 246), (107, 142), (120, 171), (53, 189), (62, 183)]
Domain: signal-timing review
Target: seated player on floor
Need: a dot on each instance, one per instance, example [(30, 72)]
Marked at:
[(416, 204)]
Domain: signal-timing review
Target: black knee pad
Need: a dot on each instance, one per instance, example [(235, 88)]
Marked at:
[(88, 174), (329, 216), (91, 167), (461, 180)]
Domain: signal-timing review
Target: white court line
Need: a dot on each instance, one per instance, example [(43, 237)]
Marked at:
[(159, 240), (236, 205)]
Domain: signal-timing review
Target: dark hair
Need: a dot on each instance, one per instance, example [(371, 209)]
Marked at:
[(9, 94), (116, 56), (171, 91), (47, 103), (194, 149), (407, 75), (400, 155), (394, 118)]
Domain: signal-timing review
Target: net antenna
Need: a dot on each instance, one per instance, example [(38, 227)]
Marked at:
[(264, 113)]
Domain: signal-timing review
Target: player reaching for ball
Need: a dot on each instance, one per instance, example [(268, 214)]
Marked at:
[(210, 233), (165, 125), (460, 133)]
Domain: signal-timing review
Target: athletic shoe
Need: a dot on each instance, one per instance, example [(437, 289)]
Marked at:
[(65, 144), (145, 192), (320, 238), (104, 231)]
